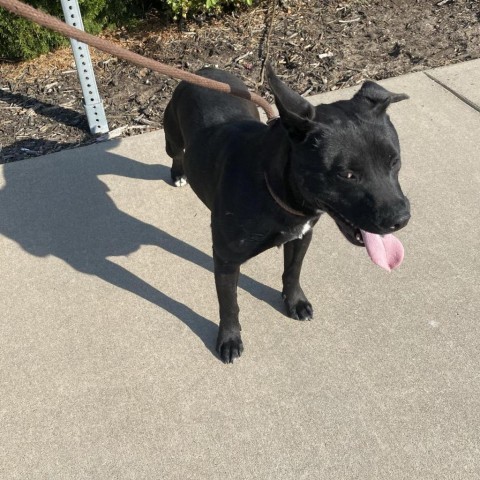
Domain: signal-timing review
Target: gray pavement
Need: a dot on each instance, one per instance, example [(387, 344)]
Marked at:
[(109, 318)]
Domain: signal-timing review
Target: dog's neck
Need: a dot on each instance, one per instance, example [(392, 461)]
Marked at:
[(279, 178), (280, 202)]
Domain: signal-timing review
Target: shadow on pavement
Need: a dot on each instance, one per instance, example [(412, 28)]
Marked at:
[(63, 209)]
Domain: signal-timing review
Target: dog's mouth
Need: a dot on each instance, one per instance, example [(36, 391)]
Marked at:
[(385, 251), (350, 231)]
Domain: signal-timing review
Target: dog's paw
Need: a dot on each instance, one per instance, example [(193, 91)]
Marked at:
[(229, 346), (298, 309), (180, 181)]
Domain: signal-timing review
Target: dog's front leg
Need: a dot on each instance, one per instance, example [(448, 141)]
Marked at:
[(229, 340), (298, 307)]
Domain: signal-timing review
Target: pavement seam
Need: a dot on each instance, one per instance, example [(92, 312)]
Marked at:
[(451, 90)]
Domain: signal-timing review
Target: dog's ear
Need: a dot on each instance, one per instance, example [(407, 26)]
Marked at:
[(295, 112), (378, 98)]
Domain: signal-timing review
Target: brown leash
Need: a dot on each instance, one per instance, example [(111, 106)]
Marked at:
[(57, 25)]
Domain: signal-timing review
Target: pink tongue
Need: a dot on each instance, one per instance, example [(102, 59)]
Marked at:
[(386, 251)]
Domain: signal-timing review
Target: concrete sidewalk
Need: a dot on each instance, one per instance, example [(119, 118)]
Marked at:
[(109, 318)]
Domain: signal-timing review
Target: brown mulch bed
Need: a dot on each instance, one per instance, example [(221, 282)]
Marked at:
[(315, 46)]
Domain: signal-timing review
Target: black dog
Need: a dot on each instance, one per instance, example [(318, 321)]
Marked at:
[(267, 186)]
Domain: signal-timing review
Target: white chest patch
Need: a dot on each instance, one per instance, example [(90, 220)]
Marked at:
[(305, 229), (297, 232)]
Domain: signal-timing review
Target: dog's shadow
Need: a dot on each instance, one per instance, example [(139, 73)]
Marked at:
[(63, 209)]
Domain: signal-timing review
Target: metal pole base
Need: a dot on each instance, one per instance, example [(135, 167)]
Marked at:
[(91, 98)]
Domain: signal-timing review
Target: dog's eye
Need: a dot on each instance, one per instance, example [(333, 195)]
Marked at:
[(347, 175), (394, 162)]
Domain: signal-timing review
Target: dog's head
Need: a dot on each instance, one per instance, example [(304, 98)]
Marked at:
[(345, 158)]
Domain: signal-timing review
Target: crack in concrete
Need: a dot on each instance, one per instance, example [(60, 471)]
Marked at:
[(451, 90)]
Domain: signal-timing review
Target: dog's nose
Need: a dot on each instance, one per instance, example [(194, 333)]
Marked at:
[(400, 221)]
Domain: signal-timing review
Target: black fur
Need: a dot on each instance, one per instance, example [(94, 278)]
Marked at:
[(342, 159)]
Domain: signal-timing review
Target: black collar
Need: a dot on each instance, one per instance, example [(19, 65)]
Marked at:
[(278, 175), (280, 202)]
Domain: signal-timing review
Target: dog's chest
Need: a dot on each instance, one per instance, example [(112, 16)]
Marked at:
[(293, 233)]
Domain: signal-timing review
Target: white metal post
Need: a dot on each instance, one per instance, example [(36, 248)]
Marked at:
[(91, 98)]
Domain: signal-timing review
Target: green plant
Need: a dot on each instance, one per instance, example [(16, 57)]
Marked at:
[(181, 8), (21, 39)]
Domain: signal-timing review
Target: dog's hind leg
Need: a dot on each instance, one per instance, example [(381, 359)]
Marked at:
[(176, 172), (175, 147)]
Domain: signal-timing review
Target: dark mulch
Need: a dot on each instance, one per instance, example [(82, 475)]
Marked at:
[(315, 46)]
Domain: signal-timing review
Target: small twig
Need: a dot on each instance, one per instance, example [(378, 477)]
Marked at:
[(143, 121), (325, 55), (241, 57), (118, 132), (306, 92), (350, 21), (271, 19), (50, 85)]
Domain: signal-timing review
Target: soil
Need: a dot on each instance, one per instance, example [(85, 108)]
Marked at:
[(315, 46)]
